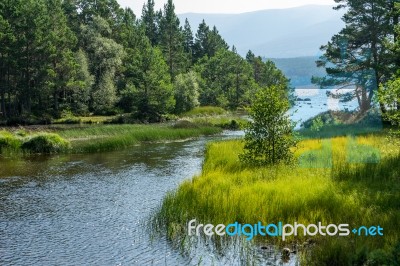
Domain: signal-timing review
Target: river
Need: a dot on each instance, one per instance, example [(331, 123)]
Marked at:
[(93, 209)]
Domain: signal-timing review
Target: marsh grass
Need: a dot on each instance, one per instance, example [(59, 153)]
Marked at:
[(330, 131), (21, 143), (9, 143), (112, 137), (45, 143), (347, 191), (205, 111), (94, 138)]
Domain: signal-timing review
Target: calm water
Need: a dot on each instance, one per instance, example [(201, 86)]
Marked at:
[(93, 209), (318, 102)]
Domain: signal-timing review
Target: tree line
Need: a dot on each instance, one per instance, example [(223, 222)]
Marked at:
[(94, 57)]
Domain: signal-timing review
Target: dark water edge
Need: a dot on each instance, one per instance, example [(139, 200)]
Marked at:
[(94, 209)]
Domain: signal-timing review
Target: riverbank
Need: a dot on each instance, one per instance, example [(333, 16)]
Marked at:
[(338, 180), (93, 138)]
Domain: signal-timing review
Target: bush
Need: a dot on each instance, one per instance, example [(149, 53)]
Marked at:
[(45, 143)]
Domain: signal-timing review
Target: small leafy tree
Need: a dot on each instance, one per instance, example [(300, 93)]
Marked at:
[(269, 136), (186, 92)]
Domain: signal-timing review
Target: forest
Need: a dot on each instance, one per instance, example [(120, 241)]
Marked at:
[(93, 57)]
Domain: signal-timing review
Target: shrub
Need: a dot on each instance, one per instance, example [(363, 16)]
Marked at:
[(45, 143), (317, 124)]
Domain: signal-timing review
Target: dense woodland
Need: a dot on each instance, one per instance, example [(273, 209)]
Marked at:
[(85, 57)]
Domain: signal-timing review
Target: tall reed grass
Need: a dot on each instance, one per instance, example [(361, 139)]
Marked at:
[(344, 190), (111, 137), (95, 138)]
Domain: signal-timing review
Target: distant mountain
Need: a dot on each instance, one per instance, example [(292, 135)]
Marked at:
[(275, 33), (300, 70)]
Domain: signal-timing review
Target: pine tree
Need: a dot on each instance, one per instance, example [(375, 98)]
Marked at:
[(172, 40), (207, 42), (357, 56), (149, 21), (188, 39), (200, 46), (228, 80), (148, 91), (58, 42)]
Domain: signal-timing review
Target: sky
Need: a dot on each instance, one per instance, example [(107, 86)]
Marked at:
[(223, 6)]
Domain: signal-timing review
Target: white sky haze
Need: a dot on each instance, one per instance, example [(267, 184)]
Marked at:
[(222, 6)]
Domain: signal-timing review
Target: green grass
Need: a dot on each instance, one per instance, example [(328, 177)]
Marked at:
[(94, 138), (21, 143), (217, 117), (9, 143), (46, 143), (204, 111), (329, 131), (84, 120), (231, 122), (342, 191), (112, 137)]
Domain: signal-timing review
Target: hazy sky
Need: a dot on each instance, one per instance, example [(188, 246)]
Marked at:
[(223, 6)]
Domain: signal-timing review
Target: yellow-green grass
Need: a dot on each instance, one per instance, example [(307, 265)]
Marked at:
[(233, 122), (345, 191), (20, 143), (112, 137), (204, 111), (84, 120), (97, 138)]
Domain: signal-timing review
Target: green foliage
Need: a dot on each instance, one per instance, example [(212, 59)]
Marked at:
[(45, 143), (269, 135), (389, 95), (186, 89), (227, 80), (149, 22), (266, 74), (153, 97), (188, 42), (357, 57), (172, 41), (106, 59), (317, 124), (93, 57), (80, 87), (207, 42)]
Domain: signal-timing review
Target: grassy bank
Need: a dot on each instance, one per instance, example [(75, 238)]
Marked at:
[(350, 188), (93, 138), (216, 117), (112, 137)]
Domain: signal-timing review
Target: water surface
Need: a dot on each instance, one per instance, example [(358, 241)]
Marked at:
[(93, 209)]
